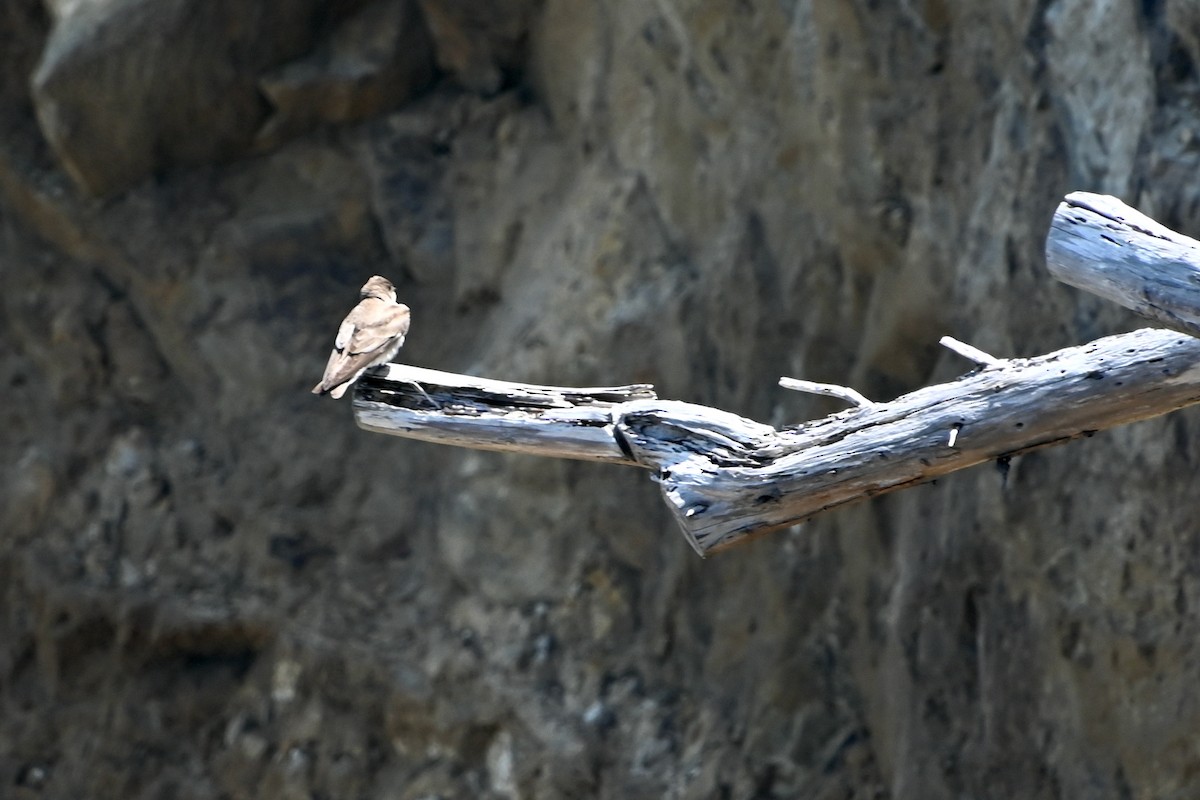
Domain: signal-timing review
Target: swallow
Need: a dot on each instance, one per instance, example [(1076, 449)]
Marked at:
[(370, 335)]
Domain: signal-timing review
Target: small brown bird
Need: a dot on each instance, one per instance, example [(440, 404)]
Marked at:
[(370, 335)]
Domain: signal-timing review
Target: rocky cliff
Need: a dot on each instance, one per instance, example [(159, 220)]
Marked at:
[(215, 586)]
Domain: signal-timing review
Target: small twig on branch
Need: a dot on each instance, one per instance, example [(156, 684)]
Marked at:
[(968, 352), (827, 390)]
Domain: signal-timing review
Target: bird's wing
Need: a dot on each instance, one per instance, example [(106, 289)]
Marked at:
[(366, 331), (345, 332), (342, 368), (372, 327)]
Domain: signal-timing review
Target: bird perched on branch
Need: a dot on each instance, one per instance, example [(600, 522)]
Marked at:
[(370, 335)]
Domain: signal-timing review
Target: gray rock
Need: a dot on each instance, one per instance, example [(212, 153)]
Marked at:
[(373, 61), (480, 43), (126, 88)]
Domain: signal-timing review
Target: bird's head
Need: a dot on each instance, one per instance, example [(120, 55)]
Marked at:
[(379, 287)]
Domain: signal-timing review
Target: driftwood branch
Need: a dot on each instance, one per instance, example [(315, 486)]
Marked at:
[(495, 415), (1100, 245), (726, 477)]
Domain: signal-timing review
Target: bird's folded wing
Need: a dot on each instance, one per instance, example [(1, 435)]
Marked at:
[(343, 367), (372, 329)]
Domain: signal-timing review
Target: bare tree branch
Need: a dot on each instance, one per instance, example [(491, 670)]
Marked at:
[(727, 478), (1100, 245), (488, 414)]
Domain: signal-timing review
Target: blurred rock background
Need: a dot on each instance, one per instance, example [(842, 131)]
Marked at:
[(214, 586)]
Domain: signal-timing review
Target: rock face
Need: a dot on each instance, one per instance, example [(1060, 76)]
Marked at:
[(214, 585), (126, 88)]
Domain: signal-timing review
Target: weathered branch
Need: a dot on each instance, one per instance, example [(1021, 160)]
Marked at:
[(495, 415), (1100, 245), (1021, 405), (726, 477)]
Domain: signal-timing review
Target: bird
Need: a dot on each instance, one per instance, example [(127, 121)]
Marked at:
[(370, 335)]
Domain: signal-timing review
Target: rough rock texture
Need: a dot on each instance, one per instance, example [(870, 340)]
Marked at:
[(215, 586)]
